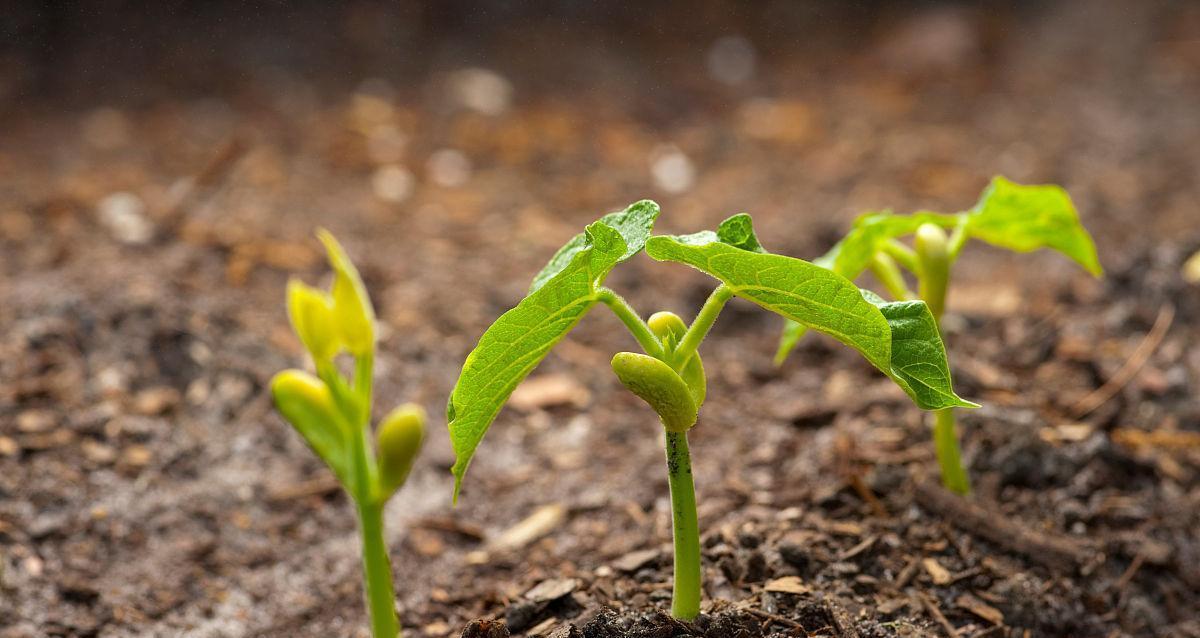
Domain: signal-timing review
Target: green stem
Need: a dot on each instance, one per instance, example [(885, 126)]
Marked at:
[(377, 572), (884, 267), (628, 316), (700, 326), (685, 600), (903, 255), (933, 275), (933, 267), (945, 440)]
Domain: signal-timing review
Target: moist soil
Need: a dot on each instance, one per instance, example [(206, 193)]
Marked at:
[(147, 488)]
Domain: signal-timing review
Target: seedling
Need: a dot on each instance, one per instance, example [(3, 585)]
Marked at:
[(1009, 215), (899, 338), (333, 415)]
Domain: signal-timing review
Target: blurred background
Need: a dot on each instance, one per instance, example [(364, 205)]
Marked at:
[(163, 166)]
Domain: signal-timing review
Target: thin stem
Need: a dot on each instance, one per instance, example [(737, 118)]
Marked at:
[(377, 572), (700, 326), (628, 316), (884, 267), (685, 600), (958, 239), (945, 440), (933, 253), (903, 255)]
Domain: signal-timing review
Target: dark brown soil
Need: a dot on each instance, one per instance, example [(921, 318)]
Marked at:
[(148, 489)]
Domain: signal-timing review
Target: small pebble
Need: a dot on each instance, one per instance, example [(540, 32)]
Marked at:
[(449, 168), (481, 90), (392, 183), (124, 216), (31, 421), (672, 170)]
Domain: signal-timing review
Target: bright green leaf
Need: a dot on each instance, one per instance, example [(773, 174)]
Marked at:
[(918, 354), (634, 224), (853, 254), (1026, 218), (738, 231), (518, 341), (660, 387), (820, 299)]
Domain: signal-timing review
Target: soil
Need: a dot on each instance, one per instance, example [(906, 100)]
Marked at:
[(155, 198)]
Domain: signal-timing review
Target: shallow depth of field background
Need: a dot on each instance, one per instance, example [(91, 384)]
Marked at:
[(163, 168)]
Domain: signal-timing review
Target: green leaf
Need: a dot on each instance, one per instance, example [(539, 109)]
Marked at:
[(825, 301), (1026, 218), (634, 224), (518, 341), (852, 255), (306, 402), (353, 315), (918, 354), (738, 231), (660, 387)]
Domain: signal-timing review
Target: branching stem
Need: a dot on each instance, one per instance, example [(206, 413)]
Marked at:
[(700, 326), (628, 316)]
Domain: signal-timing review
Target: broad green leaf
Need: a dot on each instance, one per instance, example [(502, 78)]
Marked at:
[(306, 402), (518, 341), (1026, 218), (660, 387), (918, 354), (821, 300), (634, 224)]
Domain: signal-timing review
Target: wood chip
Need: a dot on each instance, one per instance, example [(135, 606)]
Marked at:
[(536, 525), (549, 391), (939, 574), (787, 585), (634, 561), (553, 589), (980, 608)]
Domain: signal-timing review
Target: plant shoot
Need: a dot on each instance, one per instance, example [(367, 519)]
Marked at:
[(333, 412), (899, 338)]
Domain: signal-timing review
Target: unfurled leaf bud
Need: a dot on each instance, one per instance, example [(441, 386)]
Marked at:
[(933, 254), (306, 402), (668, 327), (399, 441), (353, 315), (311, 314), (658, 385)]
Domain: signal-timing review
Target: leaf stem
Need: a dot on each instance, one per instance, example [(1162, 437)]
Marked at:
[(377, 572), (633, 322), (885, 269), (685, 599), (700, 326), (945, 440), (903, 255), (933, 250)]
